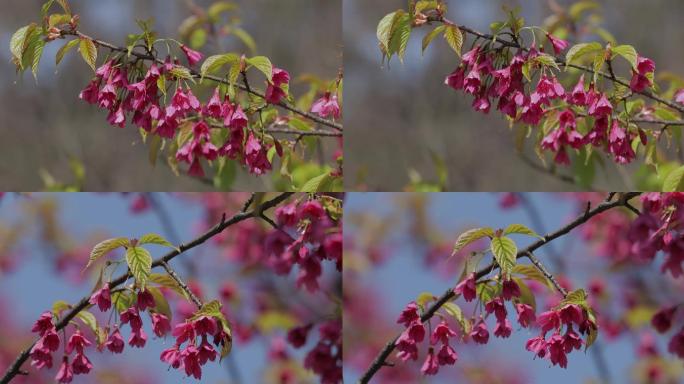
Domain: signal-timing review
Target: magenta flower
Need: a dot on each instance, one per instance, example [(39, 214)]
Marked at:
[(193, 56), (510, 289), (190, 358), (172, 356), (236, 118), (497, 307), (431, 365), (43, 324), (115, 342), (145, 300), (90, 93), (205, 326), (297, 336), (537, 345), (503, 328), (160, 324), (456, 79), (526, 314), (81, 364), (579, 95), (207, 352), (479, 333), (132, 316), (77, 342), (442, 333), (184, 332), (548, 320), (326, 106), (51, 340), (274, 91), (138, 338), (602, 107), (102, 298), (662, 320), (559, 45), (571, 340), (447, 355), (676, 344), (557, 352), (416, 331), (409, 314), (41, 357), (467, 288), (407, 347), (255, 156), (65, 373)]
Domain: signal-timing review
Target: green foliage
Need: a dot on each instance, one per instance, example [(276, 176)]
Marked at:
[(166, 281), (455, 312), (424, 298), (140, 263), (505, 253), (161, 304), (431, 36), (530, 272), (520, 229), (393, 33), (674, 181), (526, 295), (263, 64), (454, 36), (579, 51), (213, 309), (89, 320), (64, 49), (105, 247), (212, 63), (88, 52), (471, 236), (627, 52), (153, 238)]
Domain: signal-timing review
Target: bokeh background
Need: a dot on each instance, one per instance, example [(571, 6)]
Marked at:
[(398, 117), (398, 245), (43, 125), (53, 235)]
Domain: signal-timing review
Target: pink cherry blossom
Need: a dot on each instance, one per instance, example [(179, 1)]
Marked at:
[(193, 56), (102, 298)]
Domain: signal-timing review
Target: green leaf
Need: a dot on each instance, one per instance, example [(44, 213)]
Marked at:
[(455, 311), (384, 30), (213, 63), (486, 292), (674, 182), (526, 295), (426, 5), (471, 236), (166, 281), (181, 73), (153, 238), (532, 273), (547, 61), (263, 64), (140, 263), (88, 319), (105, 247), (520, 229), (317, 184), (245, 37), (64, 49), (578, 51), (591, 338), (122, 300), (88, 52), (628, 52), (505, 252), (401, 31), (454, 36), (37, 54), (59, 306), (154, 146), (431, 36), (161, 304), (18, 39), (424, 298), (578, 296)]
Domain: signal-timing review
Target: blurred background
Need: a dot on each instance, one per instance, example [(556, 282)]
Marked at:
[(398, 246), (403, 118), (45, 241), (44, 125)]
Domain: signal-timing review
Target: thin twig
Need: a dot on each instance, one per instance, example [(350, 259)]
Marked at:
[(182, 284), (546, 273)]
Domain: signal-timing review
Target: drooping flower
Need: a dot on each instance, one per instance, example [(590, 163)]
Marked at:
[(640, 77), (662, 320), (447, 355), (326, 106), (275, 91), (132, 316), (548, 320), (145, 300), (160, 324), (65, 373), (559, 45), (430, 365), (479, 333), (525, 314), (537, 345), (102, 298), (510, 289), (81, 364), (138, 338), (43, 324), (497, 307), (184, 332), (115, 342), (442, 332), (193, 56), (297, 336), (190, 356), (467, 288), (503, 328), (406, 347), (77, 342), (172, 356)]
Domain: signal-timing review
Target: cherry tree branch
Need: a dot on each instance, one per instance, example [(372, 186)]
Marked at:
[(217, 79), (621, 201), (83, 304), (559, 61)]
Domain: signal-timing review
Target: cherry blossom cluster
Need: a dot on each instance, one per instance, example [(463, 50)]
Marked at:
[(325, 358), (662, 322), (123, 93), (49, 342), (195, 355), (478, 75)]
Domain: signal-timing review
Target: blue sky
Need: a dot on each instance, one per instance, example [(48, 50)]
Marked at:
[(35, 286), (403, 276)]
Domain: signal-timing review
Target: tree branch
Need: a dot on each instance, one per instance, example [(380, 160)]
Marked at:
[(14, 369), (195, 74), (447, 296)]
